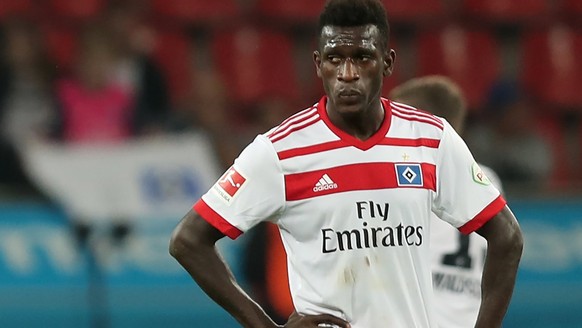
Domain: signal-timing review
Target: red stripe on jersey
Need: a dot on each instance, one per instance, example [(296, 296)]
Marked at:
[(303, 112), (365, 176), (296, 127), (414, 111), (419, 142), (428, 176), (416, 115), (294, 120), (331, 145), (319, 148), (485, 215), (217, 221), (417, 119)]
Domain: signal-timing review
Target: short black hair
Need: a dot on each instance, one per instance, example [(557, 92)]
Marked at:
[(348, 13)]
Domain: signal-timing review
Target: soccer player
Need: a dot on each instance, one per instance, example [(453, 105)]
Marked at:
[(457, 259), (351, 182)]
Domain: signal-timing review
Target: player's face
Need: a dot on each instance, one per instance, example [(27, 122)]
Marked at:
[(352, 64)]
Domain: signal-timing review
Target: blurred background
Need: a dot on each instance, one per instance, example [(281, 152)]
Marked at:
[(116, 115)]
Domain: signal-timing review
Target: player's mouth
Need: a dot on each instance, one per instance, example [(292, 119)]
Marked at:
[(349, 95)]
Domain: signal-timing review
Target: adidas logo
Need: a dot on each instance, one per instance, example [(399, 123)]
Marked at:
[(325, 183)]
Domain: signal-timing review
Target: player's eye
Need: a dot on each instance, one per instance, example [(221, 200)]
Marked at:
[(364, 58), (334, 59)]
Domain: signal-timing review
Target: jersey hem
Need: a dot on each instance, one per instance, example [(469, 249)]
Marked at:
[(217, 221), (484, 216)]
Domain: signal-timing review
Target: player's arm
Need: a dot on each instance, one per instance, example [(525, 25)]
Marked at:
[(193, 246), (505, 244)]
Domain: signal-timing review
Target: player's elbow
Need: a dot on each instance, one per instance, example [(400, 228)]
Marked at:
[(511, 242), (192, 237), (182, 243), (503, 234), (511, 249), (516, 243), (178, 244)]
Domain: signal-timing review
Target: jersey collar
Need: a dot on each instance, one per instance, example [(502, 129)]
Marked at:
[(351, 140)]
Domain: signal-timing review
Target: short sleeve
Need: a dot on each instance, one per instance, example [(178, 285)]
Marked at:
[(249, 192), (465, 197), (493, 177)]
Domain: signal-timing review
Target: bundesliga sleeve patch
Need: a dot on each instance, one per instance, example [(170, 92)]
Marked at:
[(409, 174), (229, 184), (479, 176)]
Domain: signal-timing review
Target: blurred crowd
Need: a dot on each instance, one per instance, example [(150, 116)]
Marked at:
[(105, 71)]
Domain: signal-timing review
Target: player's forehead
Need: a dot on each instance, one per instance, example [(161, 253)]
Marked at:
[(364, 36)]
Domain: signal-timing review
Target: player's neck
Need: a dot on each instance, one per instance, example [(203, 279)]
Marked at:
[(361, 125)]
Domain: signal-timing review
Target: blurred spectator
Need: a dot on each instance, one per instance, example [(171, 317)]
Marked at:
[(135, 69), (209, 111), (27, 108), (95, 108), (508, 142), (117, 90), (269, 112)]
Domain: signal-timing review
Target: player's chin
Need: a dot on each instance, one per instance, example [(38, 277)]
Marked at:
[(350, 107), (351, 110)]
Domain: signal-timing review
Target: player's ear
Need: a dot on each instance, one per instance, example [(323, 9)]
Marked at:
[(317, 62), (388, 62)]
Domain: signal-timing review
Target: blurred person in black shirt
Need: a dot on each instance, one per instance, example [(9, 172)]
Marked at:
[(27, 102), (507, 141), (135, 68)]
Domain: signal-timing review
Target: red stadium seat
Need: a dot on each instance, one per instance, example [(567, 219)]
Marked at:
[(469, 57), (80, 10), (571, 9), (62, 45), (173, 51), (294, 12), (196, 12), (255, 63), (417, 11), (552, 131), (573, 6), (15, 7), (552, 71), (307, 11), (506, 11)]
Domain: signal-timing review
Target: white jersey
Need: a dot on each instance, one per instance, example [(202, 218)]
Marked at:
[(354, 215), (457, 264)]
